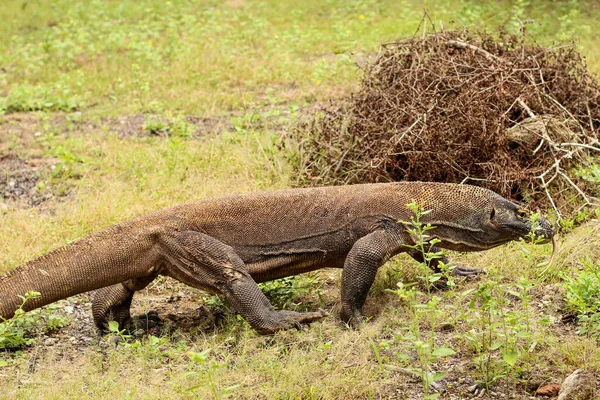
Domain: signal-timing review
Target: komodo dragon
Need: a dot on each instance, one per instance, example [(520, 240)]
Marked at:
[(227, 245)]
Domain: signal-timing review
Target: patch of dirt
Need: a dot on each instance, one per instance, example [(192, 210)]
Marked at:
[(147, 125), (21, 180), (179, 308), (19, 124)]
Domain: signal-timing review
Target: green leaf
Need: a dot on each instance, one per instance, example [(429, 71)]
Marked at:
[(199, 357), (113, 326), (230, 388), (437, 376), (3, 363), (496, 345), (510, 357), (443, 352), (153, 340), (523, 334)]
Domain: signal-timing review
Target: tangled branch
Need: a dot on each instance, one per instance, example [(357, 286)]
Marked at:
[(459, 107)]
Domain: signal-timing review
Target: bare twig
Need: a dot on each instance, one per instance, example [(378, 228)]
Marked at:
[(589, 113), (545, 187), (459, 44), (586, 146), (585, 198), (525, 107)]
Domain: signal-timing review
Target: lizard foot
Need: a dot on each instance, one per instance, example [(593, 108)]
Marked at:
[(457, 272), (464, 272), (289, 319), (144, 322), (353, 319), (133, 325)]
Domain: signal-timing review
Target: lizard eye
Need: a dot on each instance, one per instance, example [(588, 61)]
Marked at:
[(493, 214), (523, 214)]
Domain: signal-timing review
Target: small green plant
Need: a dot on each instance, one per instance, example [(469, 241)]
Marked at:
[(207, 373), (117, 335), (424, 244), (21, 329), (57, 97), (423, 311), (168, 126), (500, 335), (282, 293), (141, 84), (568, 224), (503, 333), (289, 291), (591, 173), (155, 125), (14, 331), (583, 298), (424, 345)]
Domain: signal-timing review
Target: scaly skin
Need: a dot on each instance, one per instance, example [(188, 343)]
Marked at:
[(227, 245)]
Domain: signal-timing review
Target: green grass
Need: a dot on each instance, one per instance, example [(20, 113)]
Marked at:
[(80, 66), (213, 57)]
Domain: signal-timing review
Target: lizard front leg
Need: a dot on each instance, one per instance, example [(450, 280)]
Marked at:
[(204, 262), (362, 262)]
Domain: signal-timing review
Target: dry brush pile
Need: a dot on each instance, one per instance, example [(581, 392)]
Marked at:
[(492, 111)]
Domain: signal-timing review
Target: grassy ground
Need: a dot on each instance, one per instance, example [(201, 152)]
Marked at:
[(115, 109)]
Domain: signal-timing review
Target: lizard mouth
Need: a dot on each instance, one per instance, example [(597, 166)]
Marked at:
[(546, 239), (544, 231)]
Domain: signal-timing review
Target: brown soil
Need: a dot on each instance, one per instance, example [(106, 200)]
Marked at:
[(20, 180)]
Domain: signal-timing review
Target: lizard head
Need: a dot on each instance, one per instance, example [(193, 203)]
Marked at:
[(479, 219), (506, 219)]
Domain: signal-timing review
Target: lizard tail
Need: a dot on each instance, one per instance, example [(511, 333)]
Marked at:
[(108, 257)]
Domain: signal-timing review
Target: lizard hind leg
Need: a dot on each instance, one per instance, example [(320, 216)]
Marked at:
[(204, 262), (112, 303)]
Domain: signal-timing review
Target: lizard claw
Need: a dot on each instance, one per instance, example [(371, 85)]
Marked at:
[(457, 272), (290, 319), (466, 272), (353, 318), (144, 322)]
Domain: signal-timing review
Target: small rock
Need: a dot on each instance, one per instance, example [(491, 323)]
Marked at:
[(50, 341), (477, 390), (437, 386), (115, 340), (548, 390), (580, 385), (446, 328), (472, 389), (174, 298)]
